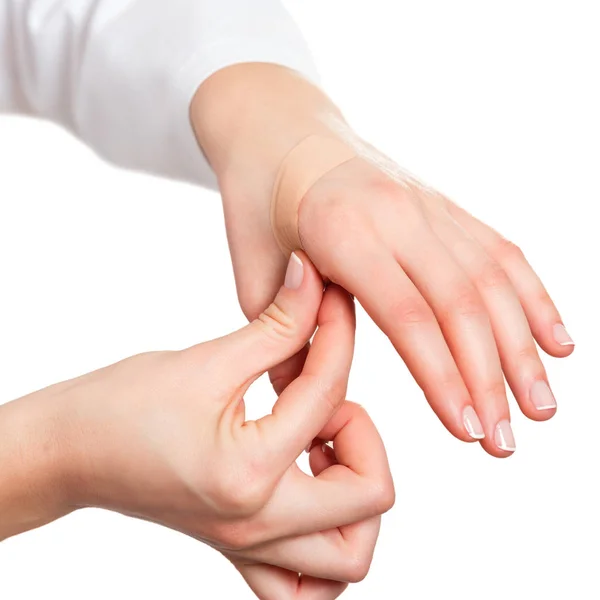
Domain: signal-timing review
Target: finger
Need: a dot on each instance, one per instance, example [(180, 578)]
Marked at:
[(309, 401), (360, 486), (343, 554), (258, 264), (372, 274), (544, 319), (274, 583), (322, 458), (281, 330), (283, 374), (465, 322), (521, 363), (258, 277)]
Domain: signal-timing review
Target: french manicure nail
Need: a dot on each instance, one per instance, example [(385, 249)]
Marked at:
[(561, 336), (472, 423), (504, 438), (294, 273), (541, 396)]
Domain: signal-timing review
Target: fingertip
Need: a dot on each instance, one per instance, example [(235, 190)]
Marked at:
[(542, 415), (554, 339), (460, 420), (539, 414), (301, 275), (337, 304), (497, 452), (471, 425), (555, 350), (293, 313), (539, 403), (283, 328), (501, 444), (321, 457), (458, 432), (561, 336)]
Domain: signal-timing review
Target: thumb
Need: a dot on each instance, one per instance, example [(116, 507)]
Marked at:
[(283, 328)]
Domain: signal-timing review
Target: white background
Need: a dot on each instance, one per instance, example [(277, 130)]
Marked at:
[(497, 105)]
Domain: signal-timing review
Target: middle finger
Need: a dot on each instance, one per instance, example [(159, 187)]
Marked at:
[(465, 323)]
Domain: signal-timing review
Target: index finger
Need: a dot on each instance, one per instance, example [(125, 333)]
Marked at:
[(356, 488), (269, 581), (392, 300), (308, 402)]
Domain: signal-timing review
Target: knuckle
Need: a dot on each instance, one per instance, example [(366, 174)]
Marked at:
[(412, 310), (386, 497), (527, 354), (388, 190), (251, 299), (238, 491), (495, 389), (449, 382), (334, 216), (382, 496), (492, 276), (232, 536), (333, 391), (357, 566), (276, 324), (465, 302), (528, 362), (356, 408), (507, 250), (402, 202), (545, 303)]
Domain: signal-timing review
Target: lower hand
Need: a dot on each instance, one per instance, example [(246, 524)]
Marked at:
[(163, 437)]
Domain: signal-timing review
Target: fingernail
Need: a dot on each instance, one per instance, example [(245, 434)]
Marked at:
[(541, 396), (504, 438), (472, 423), (294, 273), (561, 336)]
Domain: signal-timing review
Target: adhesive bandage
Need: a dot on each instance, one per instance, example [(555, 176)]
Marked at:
[(302, 167)]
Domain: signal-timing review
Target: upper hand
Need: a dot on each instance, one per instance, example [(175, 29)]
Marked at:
[(163, 437), (460, 303)]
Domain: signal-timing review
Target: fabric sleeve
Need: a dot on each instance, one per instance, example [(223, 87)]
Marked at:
[(120, 74)]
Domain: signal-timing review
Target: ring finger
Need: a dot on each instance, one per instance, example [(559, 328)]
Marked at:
[(521, 363)]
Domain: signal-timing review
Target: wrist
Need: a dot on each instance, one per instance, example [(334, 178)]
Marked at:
[(35, 462), (247, 118)]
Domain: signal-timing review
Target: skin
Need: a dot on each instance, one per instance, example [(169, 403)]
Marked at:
[(460, 303), (163, 437)]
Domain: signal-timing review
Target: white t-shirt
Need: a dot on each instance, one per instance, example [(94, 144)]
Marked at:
[(120, 74)]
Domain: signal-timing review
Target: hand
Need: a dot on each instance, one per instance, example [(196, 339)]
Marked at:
[(163, 437), (460, 303)]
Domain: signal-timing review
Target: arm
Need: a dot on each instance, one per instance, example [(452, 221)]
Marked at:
[(120, 74), (34, 463), (460, 304), (163, 436)]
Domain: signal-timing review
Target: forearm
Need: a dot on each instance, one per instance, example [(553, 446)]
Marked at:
[(121, 74), (248, 117), (34, 466)]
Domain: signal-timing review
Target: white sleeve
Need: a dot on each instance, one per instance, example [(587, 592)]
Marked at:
[(120, 74)]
